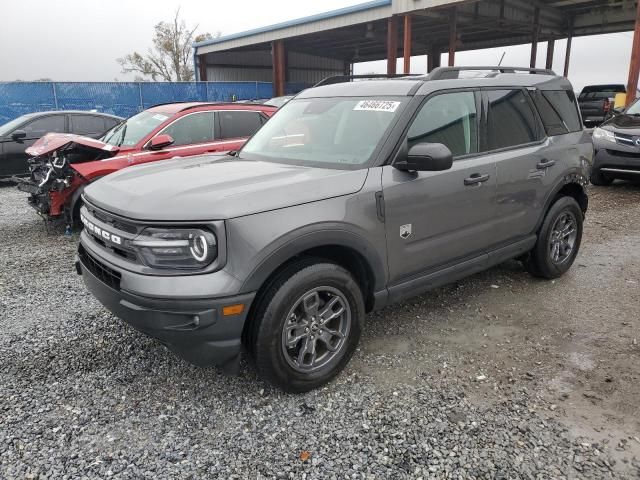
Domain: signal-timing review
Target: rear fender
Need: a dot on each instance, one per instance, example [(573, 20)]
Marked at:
[(579, 180)]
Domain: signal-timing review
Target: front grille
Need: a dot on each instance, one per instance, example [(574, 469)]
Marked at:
[(618, 153), (110, 219), (624, 139), (107, 275), (125, 229)]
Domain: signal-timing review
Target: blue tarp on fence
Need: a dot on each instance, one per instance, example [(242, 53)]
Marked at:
[(121, 98)]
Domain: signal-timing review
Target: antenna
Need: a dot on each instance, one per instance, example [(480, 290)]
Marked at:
[(501, 58)]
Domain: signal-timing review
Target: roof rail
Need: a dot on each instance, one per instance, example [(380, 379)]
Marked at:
[(445, 73), (347, 78), (221, 104)]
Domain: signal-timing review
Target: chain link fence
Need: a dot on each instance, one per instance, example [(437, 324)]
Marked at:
[(122, 98)]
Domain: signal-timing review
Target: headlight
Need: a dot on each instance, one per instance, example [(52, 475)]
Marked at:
[(176, 248), (602, 134)]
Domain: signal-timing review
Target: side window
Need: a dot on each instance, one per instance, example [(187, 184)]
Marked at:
[(239, 124), (450, 119), (558, 110), (86, 124), (109, 123), (191, 129), (511, 120), (41, 126)]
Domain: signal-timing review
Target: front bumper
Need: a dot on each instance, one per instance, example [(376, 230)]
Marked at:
[(195, 329), (618, 163)]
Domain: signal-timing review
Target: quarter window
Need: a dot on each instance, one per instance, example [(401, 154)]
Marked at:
[(191, 129), (239, 124), (87, 124), (511, 121), (41, 126), (558, 110), (449, 119)]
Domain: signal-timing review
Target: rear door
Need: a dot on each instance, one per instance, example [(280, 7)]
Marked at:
[(15, 160), (516, 142), (87, 125), (436, 219), (235, 126)]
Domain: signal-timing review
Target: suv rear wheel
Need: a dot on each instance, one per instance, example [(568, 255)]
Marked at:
[(307, 326), (558, 240)]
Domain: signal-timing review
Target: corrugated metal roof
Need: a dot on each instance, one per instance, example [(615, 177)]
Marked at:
[(299, 21)]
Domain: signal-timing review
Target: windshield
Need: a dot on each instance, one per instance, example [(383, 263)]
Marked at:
[(334, 132), (134, 129), (8, 127), (634, 109)]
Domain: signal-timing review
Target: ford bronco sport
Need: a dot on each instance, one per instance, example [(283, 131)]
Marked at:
[(351, 197)]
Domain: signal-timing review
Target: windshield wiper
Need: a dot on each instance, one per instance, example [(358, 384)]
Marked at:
[(113, 131), (122, 135)]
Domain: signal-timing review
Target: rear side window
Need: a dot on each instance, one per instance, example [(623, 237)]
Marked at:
[(191, 129), (87, 124), (239, 124), (110, 122), (53, 123), (558, 110), (449, 119), (511, 120)]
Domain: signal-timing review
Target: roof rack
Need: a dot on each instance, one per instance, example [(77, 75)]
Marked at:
[(347, 78), (198, 104), (446, 73), (214, 104)]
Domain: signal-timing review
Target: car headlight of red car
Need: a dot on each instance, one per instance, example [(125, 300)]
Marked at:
[(176, 248)]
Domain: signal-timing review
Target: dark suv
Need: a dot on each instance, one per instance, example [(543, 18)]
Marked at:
[(351, 197), (22, 132)]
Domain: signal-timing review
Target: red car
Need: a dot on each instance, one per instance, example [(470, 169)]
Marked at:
[(63, 164)]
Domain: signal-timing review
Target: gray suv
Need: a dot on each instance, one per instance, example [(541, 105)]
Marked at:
[(355, 195)]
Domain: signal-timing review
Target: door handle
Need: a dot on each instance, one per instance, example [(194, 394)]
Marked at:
[(545, 164), (476, 178)]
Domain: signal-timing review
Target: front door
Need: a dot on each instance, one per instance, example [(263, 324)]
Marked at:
[(435, 219)]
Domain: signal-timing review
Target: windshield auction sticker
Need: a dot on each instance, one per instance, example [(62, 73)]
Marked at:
[(377, 105)]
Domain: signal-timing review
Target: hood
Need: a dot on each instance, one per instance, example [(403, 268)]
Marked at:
[(216, 187), (56, 141), (629, 123)]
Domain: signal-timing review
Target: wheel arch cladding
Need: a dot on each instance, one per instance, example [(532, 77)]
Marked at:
[(347, 249)]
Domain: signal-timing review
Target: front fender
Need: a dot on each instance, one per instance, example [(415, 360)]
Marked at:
[(306, 238)]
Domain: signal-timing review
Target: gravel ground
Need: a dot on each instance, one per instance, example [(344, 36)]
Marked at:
[(497, 376)]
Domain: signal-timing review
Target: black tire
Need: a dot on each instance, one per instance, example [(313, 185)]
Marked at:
[(276, 306), (541, 261), (600, 180)]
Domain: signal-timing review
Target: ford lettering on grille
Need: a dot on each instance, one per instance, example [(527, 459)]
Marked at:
[(100, 232)]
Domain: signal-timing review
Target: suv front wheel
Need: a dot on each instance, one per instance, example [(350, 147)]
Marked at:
[(307, 325), (558, 240)]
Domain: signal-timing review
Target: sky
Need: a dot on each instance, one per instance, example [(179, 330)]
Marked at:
[(79, 40)]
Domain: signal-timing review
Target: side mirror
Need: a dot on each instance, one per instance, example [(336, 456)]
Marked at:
[(426, 157), (18, 134), (160, 142)]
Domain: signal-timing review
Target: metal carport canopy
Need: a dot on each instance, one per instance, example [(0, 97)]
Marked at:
[(331, 42)]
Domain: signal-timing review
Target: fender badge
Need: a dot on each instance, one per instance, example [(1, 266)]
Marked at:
[(405, 231)]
